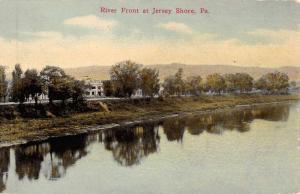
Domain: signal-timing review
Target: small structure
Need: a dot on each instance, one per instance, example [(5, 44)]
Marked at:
[(95, 89)]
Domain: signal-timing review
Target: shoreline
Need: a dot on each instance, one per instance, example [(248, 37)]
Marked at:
[(19, 137)]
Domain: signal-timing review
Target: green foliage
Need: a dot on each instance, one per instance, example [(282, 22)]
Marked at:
[(179, 83), (241, 82), (32, 84), (17, 90), (215, 83), (175, 85), (274, 83), (57, 84), (125, 78), (230, 82), (169, 85), (244, 82), (108, 88), (3, 84), (149, 81), (193, 85), (78, 89)]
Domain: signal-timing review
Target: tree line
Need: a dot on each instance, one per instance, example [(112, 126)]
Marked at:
[(270, 83), (31, 84), (126, 78)]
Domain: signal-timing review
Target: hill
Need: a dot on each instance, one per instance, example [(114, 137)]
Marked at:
[(102, 72)]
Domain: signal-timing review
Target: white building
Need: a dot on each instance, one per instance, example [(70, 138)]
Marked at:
[(95, 90)]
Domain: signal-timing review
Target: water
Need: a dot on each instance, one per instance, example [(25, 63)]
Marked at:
[(246, 151)]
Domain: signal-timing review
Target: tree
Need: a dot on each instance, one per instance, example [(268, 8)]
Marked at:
[(193, 85), (244, 82), (32, 84), (169, 85), (276, 82), (230, 82), (261, 84), (17, 90), (78, 89), (149, 81), (61, 89), (108, 88), (174, 84), (215, 82), (3, 84), (241, 82), (57, 84), (179, 83), (125, 77)]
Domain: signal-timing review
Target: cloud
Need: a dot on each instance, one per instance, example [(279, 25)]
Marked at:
[(276, 36), (53, 48), (44, 34), (177, 27), (91, 22)]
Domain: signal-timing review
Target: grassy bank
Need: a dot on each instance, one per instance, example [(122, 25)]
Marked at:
[(120, 111)]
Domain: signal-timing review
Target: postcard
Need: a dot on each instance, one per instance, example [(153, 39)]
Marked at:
[(150, 96)]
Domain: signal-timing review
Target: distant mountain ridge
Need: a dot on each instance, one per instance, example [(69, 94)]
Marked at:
[(102, 72)]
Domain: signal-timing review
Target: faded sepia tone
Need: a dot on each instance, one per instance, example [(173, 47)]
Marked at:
[(150, 96)]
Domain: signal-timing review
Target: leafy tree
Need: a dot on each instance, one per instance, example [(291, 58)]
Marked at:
[(261, 84), (149, 80), (215, 82), (17, 90), (241, 82), (57, 84), (125, 77), (108, 88), (193, 85), (179, 83), (61, 89), (244, 82), (169, 85), (174, 84), (276, 82), (32, 84), (78, 89), (3, 83), (231, 82)]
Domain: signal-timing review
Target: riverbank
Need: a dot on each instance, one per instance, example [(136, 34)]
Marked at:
[(120, 113)]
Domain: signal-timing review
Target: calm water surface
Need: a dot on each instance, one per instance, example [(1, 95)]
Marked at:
[(246, 151)]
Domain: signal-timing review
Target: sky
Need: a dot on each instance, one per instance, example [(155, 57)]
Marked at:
[(74, 33)]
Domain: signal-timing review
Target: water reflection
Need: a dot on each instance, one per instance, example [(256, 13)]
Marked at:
[(28, 160), (64, 153), (4, 164), (128, 146), (57, 155)]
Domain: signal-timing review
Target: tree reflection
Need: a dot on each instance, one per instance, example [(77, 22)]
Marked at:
[(58, 154), (275, 113), (4, 164), (174, 129), (218, 122), (130, 145), (65, 152), (28, 160)]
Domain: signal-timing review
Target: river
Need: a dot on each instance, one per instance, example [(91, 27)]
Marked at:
[(241, 151)]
